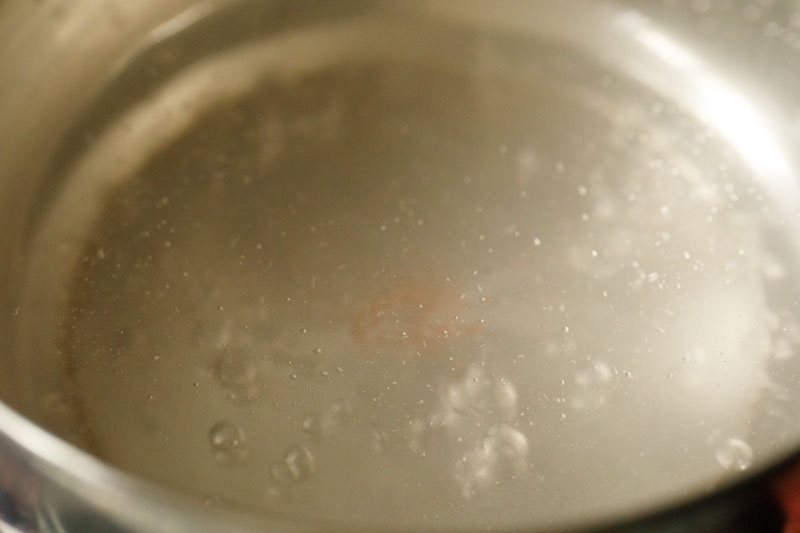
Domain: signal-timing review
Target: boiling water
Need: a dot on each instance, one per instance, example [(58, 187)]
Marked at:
[(358, 285)]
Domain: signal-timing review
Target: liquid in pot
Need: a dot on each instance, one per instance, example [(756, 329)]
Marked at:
[(388, 291)]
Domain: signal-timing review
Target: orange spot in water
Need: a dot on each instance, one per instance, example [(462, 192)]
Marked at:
[(417, 312)]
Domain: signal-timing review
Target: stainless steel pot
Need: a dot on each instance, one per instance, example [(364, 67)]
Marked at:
[(397, 265)]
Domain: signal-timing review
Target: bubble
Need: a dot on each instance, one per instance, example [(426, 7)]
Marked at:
[(592, 389), (503, 452), (506, 398), (320, 426), (238, 374), (478, 396), (228, 443), (379, 440), (278, 495), (597, 372), (218, 503), (298, 465), (511, 445), (734, 454), (311, 425)]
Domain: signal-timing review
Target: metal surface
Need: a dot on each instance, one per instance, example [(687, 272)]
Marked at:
[(392, 265)]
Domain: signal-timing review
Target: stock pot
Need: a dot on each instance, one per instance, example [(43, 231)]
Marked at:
[(383, 265)]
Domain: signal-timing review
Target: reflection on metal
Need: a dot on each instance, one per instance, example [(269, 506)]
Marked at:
[(668, 50), (632, 43), (677, 301), (719, 103)]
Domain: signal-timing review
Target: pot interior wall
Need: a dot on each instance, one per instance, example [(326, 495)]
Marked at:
[(411, 264)]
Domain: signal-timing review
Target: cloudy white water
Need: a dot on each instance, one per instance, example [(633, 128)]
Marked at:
[(389, 291)]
